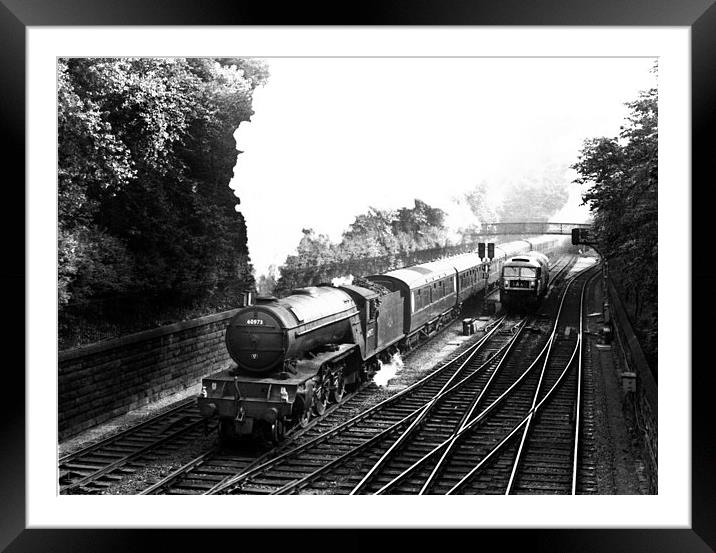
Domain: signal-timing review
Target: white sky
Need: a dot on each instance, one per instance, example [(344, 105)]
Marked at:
[(332, 136)]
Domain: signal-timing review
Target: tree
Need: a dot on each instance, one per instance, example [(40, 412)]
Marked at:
[(314, 255), (376, 241), (146, 152), (622, 176), (371, 234)]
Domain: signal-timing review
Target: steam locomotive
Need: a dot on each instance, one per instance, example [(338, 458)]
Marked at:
[(295, 355)]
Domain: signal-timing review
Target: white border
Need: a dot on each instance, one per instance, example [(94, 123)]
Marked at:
[(669, 509)]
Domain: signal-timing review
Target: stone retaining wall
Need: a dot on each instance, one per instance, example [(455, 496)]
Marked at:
[(107, 379), (645, 400)]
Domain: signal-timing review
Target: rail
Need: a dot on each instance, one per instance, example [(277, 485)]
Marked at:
[(446, 445), (229, 484)]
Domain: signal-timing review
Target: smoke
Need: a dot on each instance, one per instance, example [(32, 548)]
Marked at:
[(389, 370), (341, 281), (573, 211), (459, 218), (266, 283)]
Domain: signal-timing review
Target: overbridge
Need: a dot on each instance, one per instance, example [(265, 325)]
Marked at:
[(537, 227)]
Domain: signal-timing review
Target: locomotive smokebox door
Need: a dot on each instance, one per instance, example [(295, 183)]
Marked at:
[(255, 339)]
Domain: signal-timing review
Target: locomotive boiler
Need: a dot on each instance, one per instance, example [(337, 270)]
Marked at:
[(264, 335)]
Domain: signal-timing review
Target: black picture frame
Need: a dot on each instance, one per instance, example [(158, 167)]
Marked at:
[(699, 15)]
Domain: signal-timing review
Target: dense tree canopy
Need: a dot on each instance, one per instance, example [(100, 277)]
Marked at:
[(622, 176), (145, 155)]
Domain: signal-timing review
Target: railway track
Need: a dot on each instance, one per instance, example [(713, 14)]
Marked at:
[(221, 463), (364, 463), (528, 438), (541, 454), (321, 450), (212, 469), (320, 435), (96, 467)]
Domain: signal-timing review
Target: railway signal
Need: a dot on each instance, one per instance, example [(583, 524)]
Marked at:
[(581, 236), (490, 250)]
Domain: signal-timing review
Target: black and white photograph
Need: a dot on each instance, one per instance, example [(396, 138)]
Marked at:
[(379, 262), (357, 275)]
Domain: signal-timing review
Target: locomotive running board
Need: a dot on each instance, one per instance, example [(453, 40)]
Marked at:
[(341, 352)]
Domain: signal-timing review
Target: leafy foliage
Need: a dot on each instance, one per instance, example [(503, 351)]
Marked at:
[(376, 241), (622, 175), (146, 152)]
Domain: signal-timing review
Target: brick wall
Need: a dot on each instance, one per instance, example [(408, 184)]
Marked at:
[(107, 379)]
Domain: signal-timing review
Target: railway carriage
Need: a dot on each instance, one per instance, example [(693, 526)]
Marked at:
[(513, 248), (470, 275), (546, 244), (429, 293)]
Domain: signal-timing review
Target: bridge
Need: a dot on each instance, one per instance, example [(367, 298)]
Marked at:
[(537, 227)]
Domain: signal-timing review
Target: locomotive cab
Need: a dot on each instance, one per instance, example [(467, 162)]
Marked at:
[(380, 314)]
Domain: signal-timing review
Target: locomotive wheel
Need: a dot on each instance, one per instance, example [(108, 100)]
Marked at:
[(338, 387), (304, 418), (363, 375), (278, 431), (320, 399), (300, 414)]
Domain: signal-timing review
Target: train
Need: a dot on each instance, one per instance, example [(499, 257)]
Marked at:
[(293, 356), (524, 280)]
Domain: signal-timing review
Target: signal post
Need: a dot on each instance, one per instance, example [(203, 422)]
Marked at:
[(584, 236), (487, 265)]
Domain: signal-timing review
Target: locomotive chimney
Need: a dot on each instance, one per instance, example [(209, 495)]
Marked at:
[(247, 299)]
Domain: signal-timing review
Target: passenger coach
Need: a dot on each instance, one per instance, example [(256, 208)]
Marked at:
[(430, 298)]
